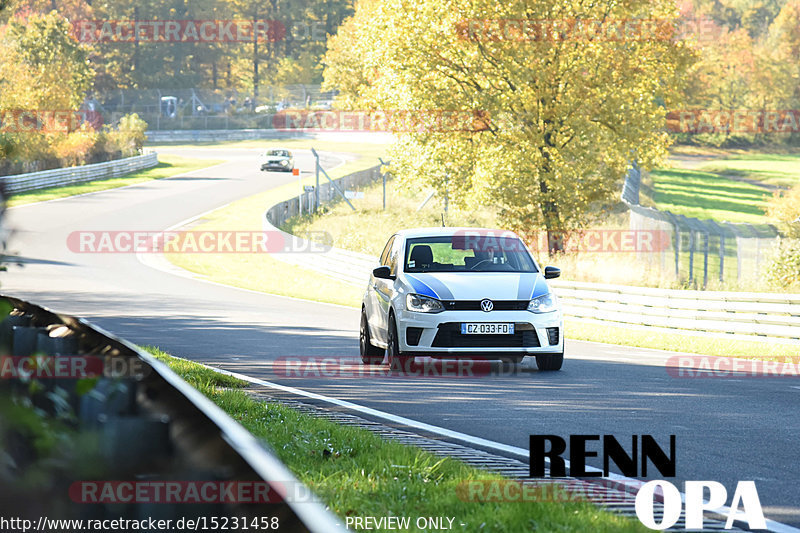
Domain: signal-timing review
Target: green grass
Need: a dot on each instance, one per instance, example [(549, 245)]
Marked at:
[(782, 170), (726, 187), (676, 342), (706, 195), (356, 473), (194, 373), (169, 165)]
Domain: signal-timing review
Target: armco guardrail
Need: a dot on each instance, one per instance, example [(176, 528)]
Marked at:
[(155, 136), (71, 175), (138, 423), (776, 316), (344, 265)]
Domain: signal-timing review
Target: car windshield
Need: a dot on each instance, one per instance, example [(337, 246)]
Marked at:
[(278, 153), (455, 253)]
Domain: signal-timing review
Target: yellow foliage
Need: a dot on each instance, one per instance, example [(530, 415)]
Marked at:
[(74, 148)]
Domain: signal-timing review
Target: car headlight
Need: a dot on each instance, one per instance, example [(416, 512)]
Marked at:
[(284, 162), (546, 303), (423, 304)]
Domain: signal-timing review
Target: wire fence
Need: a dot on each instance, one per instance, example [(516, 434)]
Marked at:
[(171, 109), (700, 250)]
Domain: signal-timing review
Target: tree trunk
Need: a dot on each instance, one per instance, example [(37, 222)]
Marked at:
[(255, 67), (552, 220)]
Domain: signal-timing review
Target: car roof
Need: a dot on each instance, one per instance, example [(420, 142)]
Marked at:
[(449, 232)]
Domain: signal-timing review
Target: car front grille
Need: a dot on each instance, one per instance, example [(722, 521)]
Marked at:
[(475, 305), (449, 336)]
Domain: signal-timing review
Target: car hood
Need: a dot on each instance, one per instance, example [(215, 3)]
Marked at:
[(275, 159), (478, 285)]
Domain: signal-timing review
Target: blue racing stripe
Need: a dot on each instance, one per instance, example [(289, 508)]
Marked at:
[(420, 287), (436, 284), (526, 284), (540, 288)]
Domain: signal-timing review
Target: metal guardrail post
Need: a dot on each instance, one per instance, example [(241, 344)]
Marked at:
[(675, 224), (332, 183), (316, 176), (720, 231)]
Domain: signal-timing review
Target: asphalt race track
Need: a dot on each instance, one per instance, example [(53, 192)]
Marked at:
[(727, 429)]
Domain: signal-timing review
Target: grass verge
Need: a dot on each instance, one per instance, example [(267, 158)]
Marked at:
[(356, 473), (168, 165), (677, 342)]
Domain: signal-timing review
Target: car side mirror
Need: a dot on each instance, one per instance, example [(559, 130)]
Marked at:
[(551, 272), (382, 272)]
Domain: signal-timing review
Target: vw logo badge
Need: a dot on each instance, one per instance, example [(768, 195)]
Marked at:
[(486, 305)]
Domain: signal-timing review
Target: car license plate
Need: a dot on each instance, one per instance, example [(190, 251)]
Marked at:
[(487, 328)]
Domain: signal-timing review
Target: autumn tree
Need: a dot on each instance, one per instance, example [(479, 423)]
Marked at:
[(562, 98)]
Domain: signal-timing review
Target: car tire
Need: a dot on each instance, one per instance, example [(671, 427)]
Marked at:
[(370, 355), (550, 362), (396, 359)]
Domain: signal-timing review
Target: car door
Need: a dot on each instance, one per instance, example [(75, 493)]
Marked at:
[(377, 329), (384, 290)]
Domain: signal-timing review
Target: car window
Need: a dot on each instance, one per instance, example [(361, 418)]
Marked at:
[(454, 254), (386, 250), (279, 153)]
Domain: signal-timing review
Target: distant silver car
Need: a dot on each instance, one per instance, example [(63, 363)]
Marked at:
[(277, 159)]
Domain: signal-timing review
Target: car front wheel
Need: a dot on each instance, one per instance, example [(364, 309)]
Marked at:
[(370, 355), (549, 362), (397, 360)]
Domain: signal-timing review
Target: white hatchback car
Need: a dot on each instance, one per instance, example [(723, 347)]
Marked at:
[(460, 292)]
